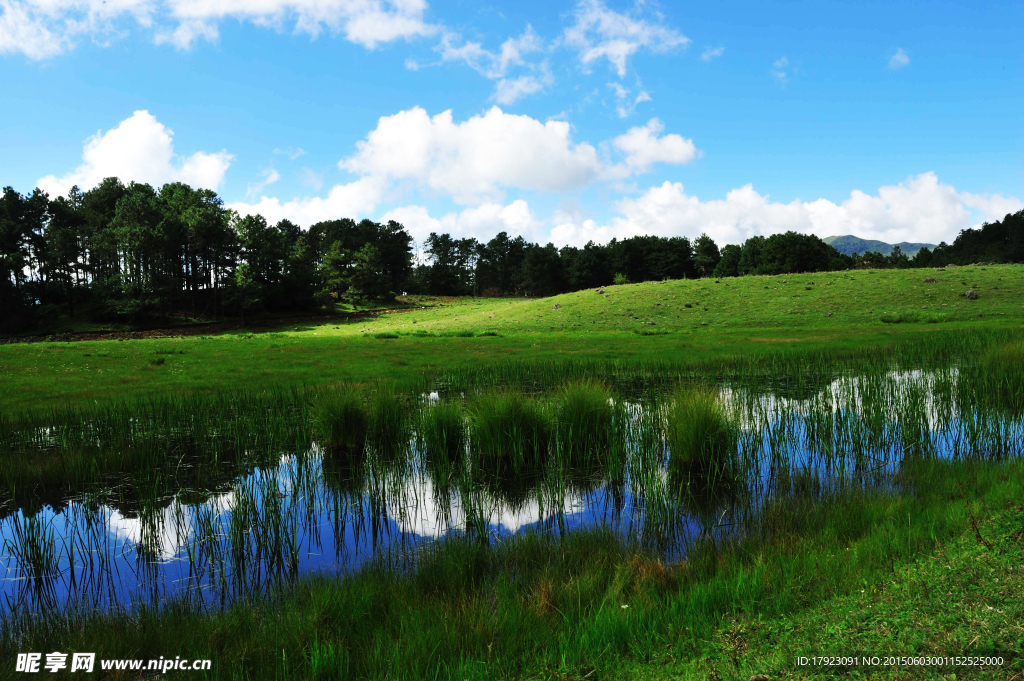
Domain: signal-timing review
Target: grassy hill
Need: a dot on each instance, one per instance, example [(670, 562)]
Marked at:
[(854, 245), (680, 321)]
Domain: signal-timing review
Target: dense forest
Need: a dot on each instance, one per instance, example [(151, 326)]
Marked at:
[(131, 252)]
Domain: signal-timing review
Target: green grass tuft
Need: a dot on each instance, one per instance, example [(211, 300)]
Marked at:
[(443, 433), (700, 434), (1002, 374), (340, 419), (511, 432), (388, 420), (583, 417)]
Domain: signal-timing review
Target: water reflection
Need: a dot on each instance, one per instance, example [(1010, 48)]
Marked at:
[(263, 520)]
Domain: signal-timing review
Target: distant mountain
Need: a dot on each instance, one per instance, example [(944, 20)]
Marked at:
[(854, 245)]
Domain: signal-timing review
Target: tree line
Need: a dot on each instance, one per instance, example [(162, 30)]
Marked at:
[(131, 251)]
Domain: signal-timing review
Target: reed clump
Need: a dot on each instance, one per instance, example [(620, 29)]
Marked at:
[(584, 420), (388, 420), (340, 419), (1002, 380), (443, 432), (511, 431), (700, 434)]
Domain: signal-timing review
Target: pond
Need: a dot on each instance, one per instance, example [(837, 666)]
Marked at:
[(259, 525)]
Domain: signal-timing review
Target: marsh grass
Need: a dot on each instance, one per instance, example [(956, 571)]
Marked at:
[(389, 423), (584, 421), (341, 419), (442, 432), (1001, 373), (511, 432), (46, 456), (701, 435)]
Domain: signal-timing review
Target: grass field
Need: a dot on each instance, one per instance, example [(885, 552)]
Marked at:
[(726, 320)]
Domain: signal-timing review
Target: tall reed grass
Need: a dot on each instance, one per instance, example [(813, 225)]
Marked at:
[(511, 432), (340, 419), (584, 421), (700, 433), (442, 432), (389, 426)]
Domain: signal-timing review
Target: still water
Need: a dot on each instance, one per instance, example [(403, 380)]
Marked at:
[(298, 513)]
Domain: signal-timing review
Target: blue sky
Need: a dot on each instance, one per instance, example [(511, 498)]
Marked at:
[(563, 121)]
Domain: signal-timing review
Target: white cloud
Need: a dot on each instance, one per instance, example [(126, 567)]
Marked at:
[(920, 209), (44, 28), (139, 149), (602, 33), (270, 176), (482, 222), (993, 207), (476, 160), (492, 65), (711, 53), (643, 147), (186, 33), (780, 69), (344, 200), (625, 105), (21, 31), (509, 90), (40, 29), (899, 60), (496, 65), (292, 154)]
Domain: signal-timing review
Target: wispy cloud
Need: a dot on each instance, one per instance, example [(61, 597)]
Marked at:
[(780, 69), (711, 53), (270, 176), (292, 154), (44, 29), (603, 33), (899, 60), (625, 103)]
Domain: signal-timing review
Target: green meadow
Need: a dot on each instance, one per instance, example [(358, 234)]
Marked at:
[(695, 479), (686, 322)]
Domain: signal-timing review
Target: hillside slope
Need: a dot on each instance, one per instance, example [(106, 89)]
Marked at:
[(830, 300)]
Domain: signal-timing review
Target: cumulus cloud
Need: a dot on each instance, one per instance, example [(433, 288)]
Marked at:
[(601, 33), (477, 159), (482, 222), (344, 200), (711, 53), (918, 209), (139, 149), (475, 162), (44, 28), (899, 60), (643, 148), (993, 207)]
